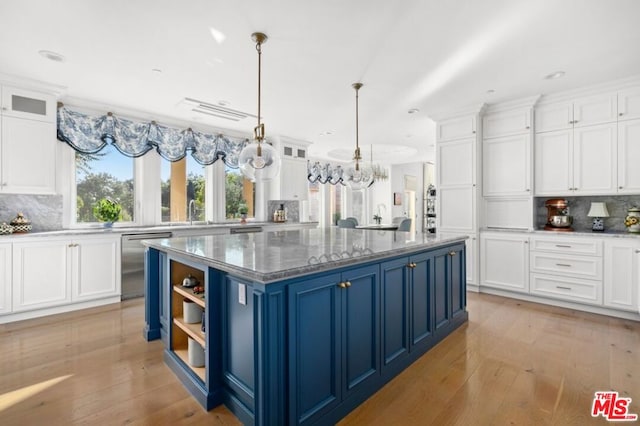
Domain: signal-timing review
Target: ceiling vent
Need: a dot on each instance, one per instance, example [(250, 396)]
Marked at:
[(214, 110)]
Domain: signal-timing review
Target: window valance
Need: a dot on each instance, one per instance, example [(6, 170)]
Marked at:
[(89, 134)]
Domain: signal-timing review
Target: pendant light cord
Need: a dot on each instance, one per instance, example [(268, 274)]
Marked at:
[(357, 155), (259, 49)]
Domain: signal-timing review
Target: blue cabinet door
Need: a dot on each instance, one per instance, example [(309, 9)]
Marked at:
[(334, 344), (164, 298), (315, 352), (441, 289), (394, 282), (360, 328), (421, 332), (457, 281)]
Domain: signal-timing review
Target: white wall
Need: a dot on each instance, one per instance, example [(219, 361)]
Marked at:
[(398, 173)]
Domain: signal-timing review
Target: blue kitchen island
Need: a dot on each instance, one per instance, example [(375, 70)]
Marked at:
[(301, 326)]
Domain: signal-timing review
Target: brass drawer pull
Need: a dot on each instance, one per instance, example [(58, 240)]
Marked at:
[(342, 285), (348, 283), (452, 253), (563, 264), (563, 288)]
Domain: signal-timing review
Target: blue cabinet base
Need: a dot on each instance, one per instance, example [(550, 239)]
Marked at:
[(264, 339)]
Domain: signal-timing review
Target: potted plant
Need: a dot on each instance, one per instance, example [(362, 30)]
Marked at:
[(242, 211), (108, 211), (377, 219)]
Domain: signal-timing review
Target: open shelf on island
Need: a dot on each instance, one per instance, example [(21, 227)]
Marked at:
[(184, 356), (193, 330), (189, 294)]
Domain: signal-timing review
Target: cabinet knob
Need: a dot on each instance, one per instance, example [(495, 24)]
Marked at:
[(621, 114), (348, 283), (528, 190), (528, 127), (342, 285), (452, 253), (637, 251), (619, 187)]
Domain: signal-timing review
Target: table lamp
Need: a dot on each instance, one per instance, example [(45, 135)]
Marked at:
[(598, 211)]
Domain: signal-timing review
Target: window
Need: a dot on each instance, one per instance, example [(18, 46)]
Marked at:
[(107, 173), (315, 196), (181, 183), (238, 192), (358, 204), (335, 203)]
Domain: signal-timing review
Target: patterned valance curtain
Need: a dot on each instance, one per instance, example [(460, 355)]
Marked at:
[(89, 134)]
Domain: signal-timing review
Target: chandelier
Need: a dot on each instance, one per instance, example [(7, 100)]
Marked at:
[(379, 172), (358, 176), (326, 173), (259, 160)]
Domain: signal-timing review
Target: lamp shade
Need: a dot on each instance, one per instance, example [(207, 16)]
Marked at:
[(259, 165), (598, 210)]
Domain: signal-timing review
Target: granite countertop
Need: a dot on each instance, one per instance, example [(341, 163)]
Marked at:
[(273, 256), (560, 234), (120, 230)]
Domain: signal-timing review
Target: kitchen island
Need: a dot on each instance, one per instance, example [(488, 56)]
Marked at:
[(301, 326)]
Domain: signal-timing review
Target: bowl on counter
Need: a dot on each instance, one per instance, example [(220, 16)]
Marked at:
[(560, 221)]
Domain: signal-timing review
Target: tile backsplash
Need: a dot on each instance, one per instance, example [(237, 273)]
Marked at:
[(44, 211), (617, 206), (291, 207)]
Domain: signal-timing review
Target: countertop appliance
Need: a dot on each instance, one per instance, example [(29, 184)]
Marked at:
[(132, 258), (558, 218)]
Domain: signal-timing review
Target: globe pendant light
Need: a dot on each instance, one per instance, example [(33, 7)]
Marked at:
[(358, 176), (259, 160)]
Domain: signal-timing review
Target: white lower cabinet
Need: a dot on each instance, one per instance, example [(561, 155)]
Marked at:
[(41, 276), (471, 249), (505, 261), (5, 278), (567, 269), (51, 272), (621, 273), (95, 266)]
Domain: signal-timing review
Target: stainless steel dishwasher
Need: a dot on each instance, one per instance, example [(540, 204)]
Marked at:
[(133, 262)]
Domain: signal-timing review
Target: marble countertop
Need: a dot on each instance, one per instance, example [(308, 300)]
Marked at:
[(561, 234), (273, 256), (121, 230)]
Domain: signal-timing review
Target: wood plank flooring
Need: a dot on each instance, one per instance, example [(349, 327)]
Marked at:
[(513, 363)]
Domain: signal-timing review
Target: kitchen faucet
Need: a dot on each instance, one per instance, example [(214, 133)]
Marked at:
[(192, 204)]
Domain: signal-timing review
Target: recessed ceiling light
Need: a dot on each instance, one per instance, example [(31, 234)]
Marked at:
[(53, 56), (554, 75), (491, 91), (156, 70), (217, 35), (413, 110)]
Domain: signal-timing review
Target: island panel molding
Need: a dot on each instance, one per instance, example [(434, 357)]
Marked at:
[(293, 342)]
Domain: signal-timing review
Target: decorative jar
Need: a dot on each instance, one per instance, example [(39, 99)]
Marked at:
[(632, 221), (6, 229), (21, 224)]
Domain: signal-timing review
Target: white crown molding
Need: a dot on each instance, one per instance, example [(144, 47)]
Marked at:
[(458, 112), (585, 91), (31, 84), (528, 102)]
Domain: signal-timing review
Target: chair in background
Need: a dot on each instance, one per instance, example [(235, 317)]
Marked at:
[(397, 220), (353, 219), (405, 225), (346, 223)]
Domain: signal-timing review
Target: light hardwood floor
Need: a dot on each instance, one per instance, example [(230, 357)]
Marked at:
[(513, 363)]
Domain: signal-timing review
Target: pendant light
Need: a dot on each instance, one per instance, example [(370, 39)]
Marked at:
[(358, 176), (259, 160)]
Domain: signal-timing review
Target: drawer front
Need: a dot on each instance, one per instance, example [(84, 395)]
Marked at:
[(567, 246), (589, 267), (571, 289)]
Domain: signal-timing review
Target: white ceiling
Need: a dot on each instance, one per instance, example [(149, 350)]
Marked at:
[(433, 55)]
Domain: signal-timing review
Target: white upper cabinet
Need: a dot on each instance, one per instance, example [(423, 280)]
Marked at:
[(553, 163), (629, 104), (292, 151), (595, 110), (551, 117), (581, 112), (457, 128), (629, 157), (577, 162), (456, 163), (28, 104), (595, 160), (505, 123), (506, 165), (293, 180), (27, 156)]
